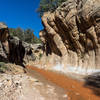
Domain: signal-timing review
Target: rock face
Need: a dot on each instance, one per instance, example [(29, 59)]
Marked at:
[(20, 52), (72, 34), (12, 49), (4, 34)]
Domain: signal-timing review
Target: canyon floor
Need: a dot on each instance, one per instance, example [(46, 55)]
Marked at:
[(74, 89), (40, 84)]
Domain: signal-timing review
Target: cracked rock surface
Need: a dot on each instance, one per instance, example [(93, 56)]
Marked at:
[(71, 35)]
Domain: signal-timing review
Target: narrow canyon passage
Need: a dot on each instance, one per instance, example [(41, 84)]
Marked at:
[(74, 89)]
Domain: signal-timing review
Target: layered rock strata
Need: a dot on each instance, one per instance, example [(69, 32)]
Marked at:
[(72, 35)]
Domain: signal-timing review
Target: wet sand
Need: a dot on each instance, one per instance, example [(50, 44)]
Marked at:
[(74, 89)]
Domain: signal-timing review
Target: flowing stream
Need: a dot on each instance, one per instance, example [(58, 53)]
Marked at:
[(76, 90)]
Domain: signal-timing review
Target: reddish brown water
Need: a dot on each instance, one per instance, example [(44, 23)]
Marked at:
[(74, 89)]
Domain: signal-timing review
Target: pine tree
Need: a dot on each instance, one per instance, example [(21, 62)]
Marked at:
[(20, 33), (24, 35), (48, 5), (28, 35)]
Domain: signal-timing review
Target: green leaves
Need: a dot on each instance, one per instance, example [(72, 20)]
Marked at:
[(48, 5), (17, 32), (24, 35), (3, 67), (28, 34)]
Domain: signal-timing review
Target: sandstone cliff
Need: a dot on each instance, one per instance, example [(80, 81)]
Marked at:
[(71, 36)]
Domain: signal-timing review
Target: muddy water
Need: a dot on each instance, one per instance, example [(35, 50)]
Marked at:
[(74, 89)]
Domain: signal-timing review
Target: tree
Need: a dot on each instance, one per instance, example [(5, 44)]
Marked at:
[(36, 40), (29, 35), (59, 2), (12, 32), (17, 32), (20, 33), (24, 35), (48, 5)]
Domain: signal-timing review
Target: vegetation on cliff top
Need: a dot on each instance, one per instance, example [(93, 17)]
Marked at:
[(24, 35), (48, 5)]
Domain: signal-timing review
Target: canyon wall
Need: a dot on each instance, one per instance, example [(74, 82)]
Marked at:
[(71, 36), (13, 50)]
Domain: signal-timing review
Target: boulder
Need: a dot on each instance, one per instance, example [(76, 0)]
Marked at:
[(93, 80), (72, 32), (20, 52)]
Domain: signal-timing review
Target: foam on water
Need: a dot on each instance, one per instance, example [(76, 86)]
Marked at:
[(78, 70)]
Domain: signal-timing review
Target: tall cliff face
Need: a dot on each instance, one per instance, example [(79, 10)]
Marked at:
[(72, 34)]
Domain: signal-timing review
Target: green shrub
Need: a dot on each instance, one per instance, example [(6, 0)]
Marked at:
[(36, 40), (3, 67), (49, 5), (24, 35), (40, 55)]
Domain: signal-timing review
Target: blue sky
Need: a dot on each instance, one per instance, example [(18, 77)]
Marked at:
[(21, 13)]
